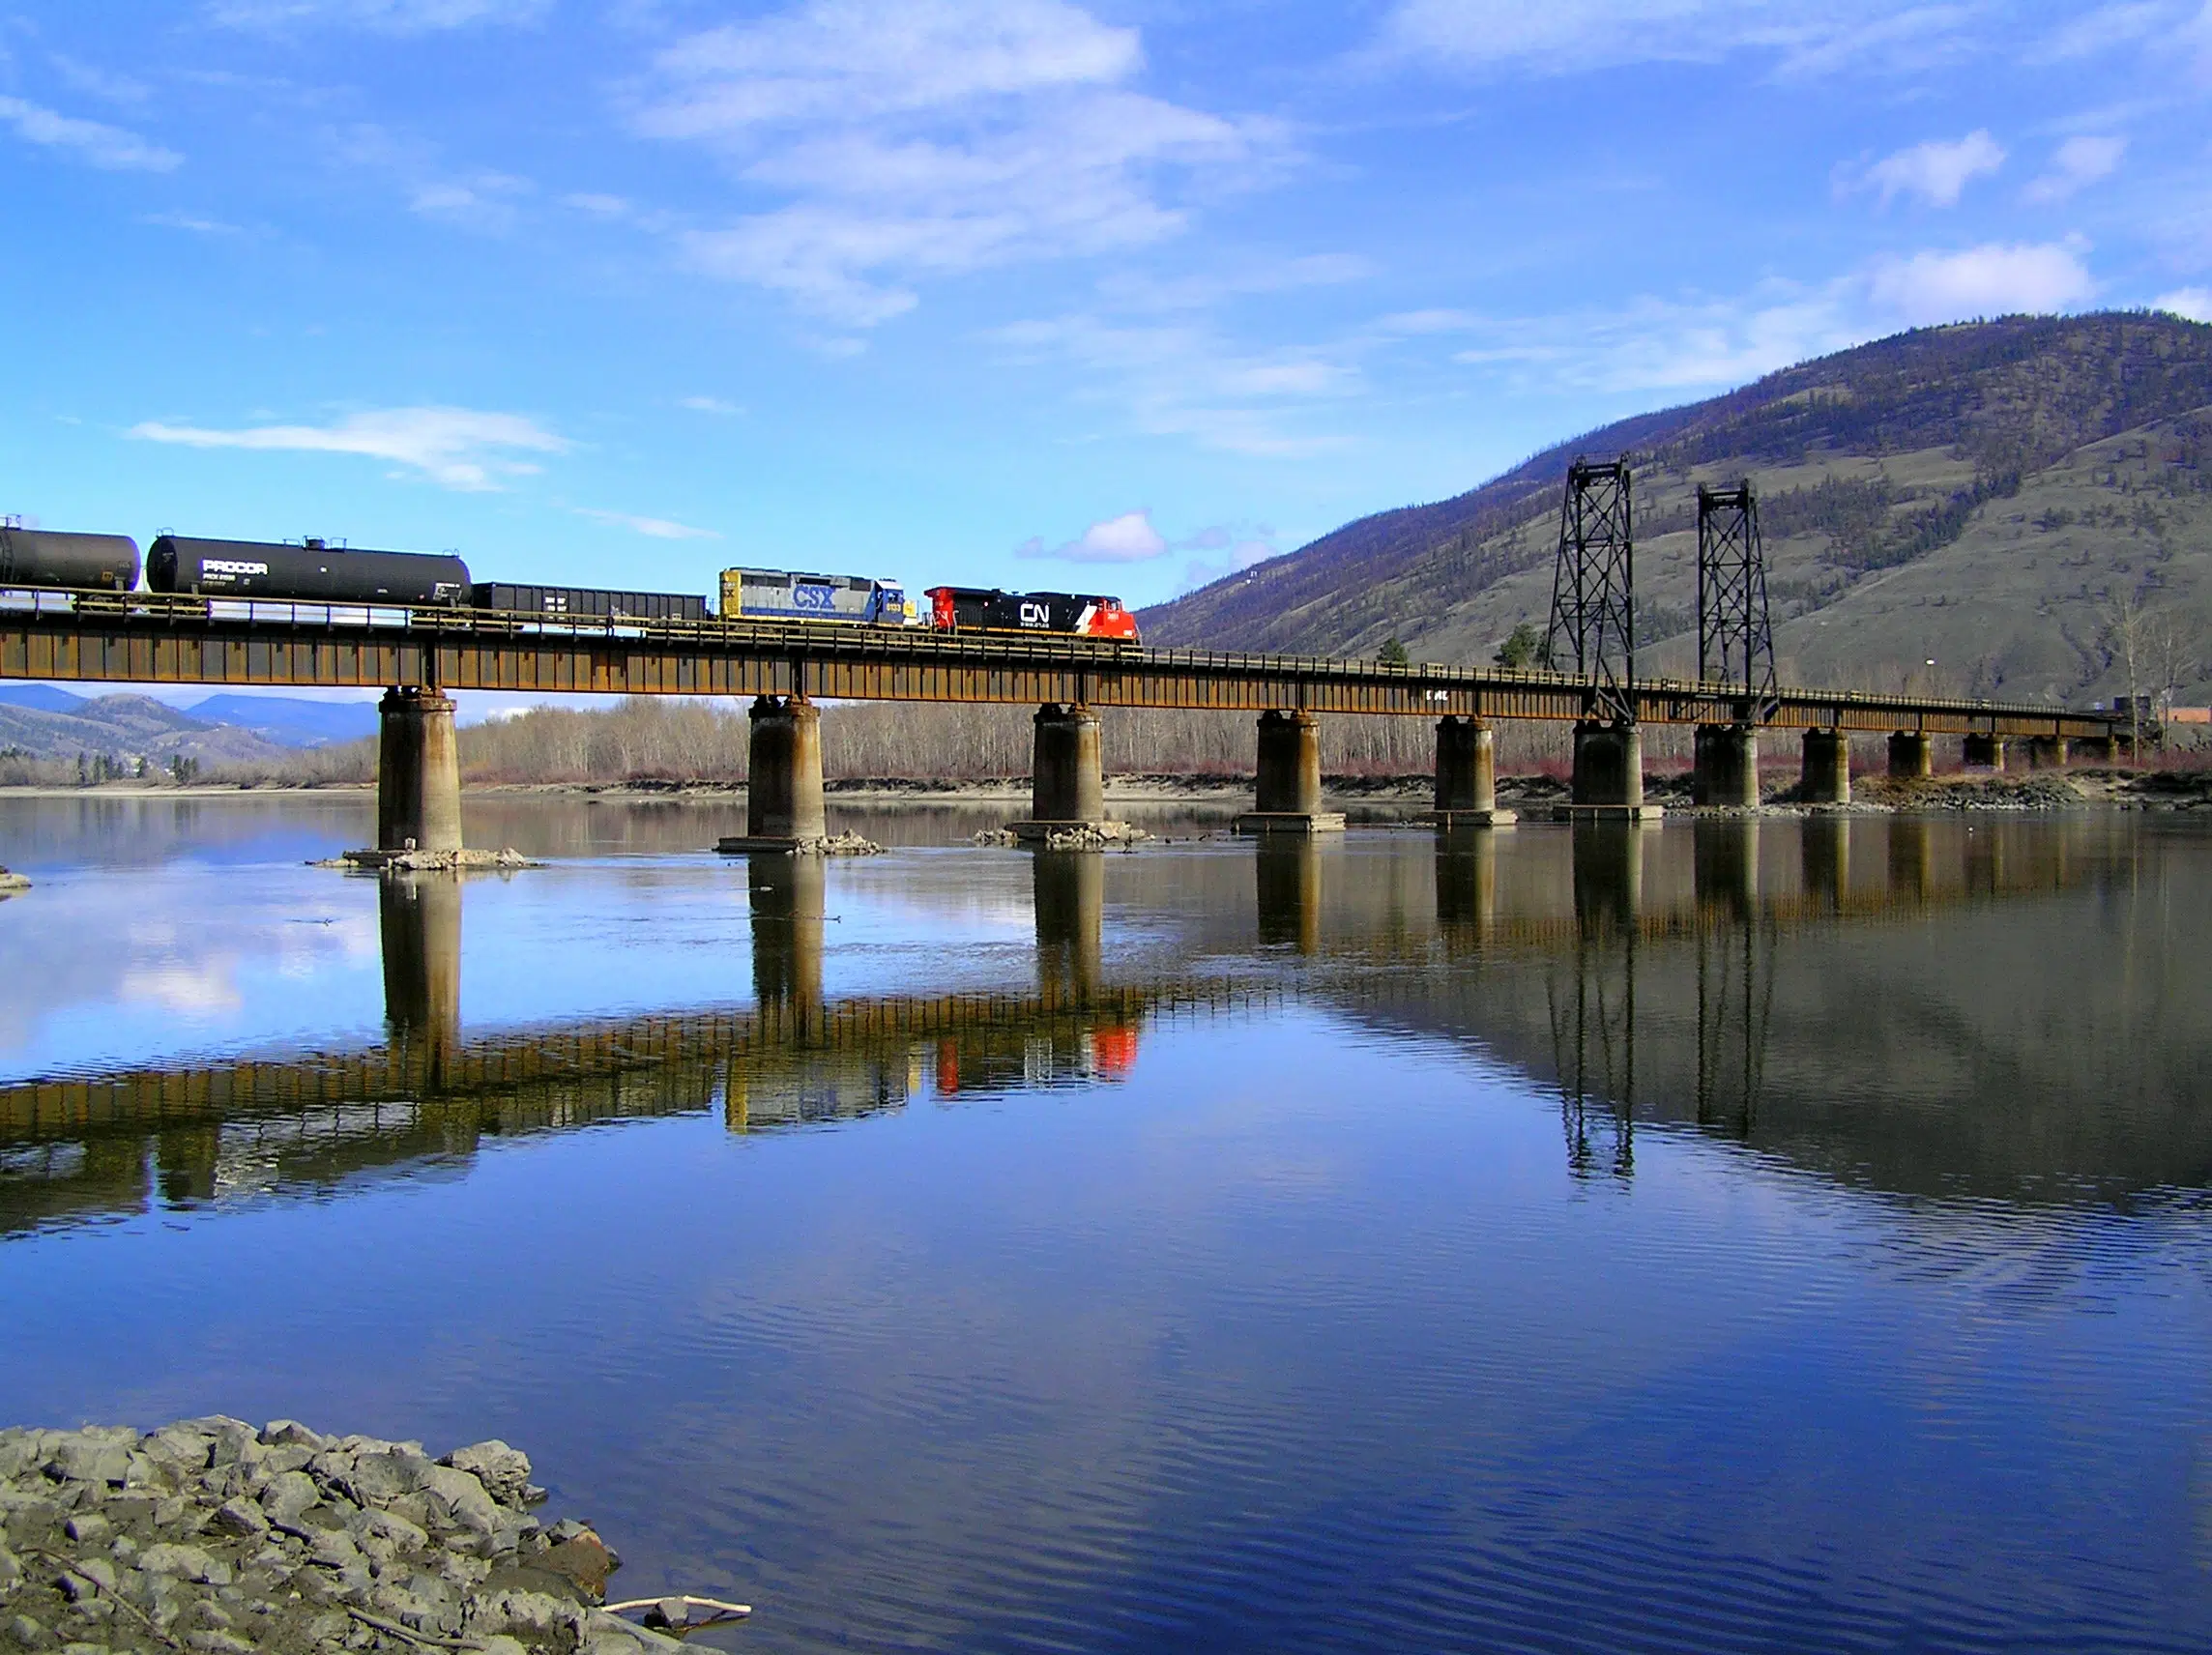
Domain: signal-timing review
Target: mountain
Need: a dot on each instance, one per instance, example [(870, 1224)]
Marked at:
[(1976, 495), (128, 727), (290, 722), (39, 697)]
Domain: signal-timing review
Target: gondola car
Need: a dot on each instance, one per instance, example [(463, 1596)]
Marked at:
[(975, 609), (780, 594), (585, 602), (43, 557), (310, 573)]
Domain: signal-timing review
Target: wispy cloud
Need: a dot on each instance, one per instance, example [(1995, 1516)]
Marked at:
[(1565, 37), (192, 221), (91, 141), (460, 448), (96, 82), (1937, 172), (470, 198), (1679, 346), (2080, 161), (397, 17), (1128, 539), (909, 139), (710, 405), (1178, 378), (658, 528)]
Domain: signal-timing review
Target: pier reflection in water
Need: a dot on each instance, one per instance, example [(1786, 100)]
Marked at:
[(1841, 1144)]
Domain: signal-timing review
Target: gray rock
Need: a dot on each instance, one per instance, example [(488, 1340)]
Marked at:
[(10, 1571), (504, 1471), (291, 1434), (460, 1498), (86, 1525), (240, 1516), (334, 1549), (186, 1564), (285, 1497), (184, 1446), (29, 1632), (218, 1643), (380, 1478), (82, 1458)]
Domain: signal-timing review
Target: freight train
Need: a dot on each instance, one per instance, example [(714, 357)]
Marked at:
[(249, 571)]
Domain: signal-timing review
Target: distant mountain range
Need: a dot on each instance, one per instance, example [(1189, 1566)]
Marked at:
[(43, 722), (1973, 496)]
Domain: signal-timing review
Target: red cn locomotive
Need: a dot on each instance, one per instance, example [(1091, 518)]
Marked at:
[(1065, 614)]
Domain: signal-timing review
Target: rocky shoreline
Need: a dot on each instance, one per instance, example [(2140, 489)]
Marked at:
[(211, 1536)]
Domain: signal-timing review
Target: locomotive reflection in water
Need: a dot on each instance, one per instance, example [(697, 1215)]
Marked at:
[(1733, 981), (375, 588)]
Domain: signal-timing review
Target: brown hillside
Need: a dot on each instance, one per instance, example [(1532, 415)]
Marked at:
[(1974, 494)]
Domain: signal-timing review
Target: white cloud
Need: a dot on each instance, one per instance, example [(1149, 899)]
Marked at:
[(658, 527), (711, 405), (1577, 35), (1995, 280), (2189, 304), (918, 138), (2081, 160), (1129, 539), (479, 201), (460, 448), (398, 17), (1937, 172), (91, 141)]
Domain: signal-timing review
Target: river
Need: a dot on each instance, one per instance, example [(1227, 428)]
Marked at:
[(1722, 1236)]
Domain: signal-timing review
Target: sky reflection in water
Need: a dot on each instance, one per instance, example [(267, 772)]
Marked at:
[(1790, 1238)]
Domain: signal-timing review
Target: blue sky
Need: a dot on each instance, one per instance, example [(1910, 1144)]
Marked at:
[(1114, 296)]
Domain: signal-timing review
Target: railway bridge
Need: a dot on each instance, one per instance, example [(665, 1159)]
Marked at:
[(418, 654)]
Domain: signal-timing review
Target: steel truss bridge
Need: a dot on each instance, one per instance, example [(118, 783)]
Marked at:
[(163, 638)]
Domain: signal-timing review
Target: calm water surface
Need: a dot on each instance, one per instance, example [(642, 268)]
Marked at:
[(1729, 1237)]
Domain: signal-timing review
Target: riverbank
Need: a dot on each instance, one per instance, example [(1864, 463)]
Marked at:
[(1971, 790), (211, 1536)]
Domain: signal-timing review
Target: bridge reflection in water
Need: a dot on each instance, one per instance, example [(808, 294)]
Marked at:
[(1871, 1000)]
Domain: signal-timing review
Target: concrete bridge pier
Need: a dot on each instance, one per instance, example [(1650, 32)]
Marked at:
[(1825, 847), (2096, 749), (1609, 875), (1725, 861), (418, 773), (788, 902), (419, 925), (1287, 794), (1983, 752), (1287, 882), (783, 776), (1466, 890), (1608, 773), (1826, 777), (1911, 851), (1911, 754), (1467, 775), (2046, 752), (1067, 776), (1725, 769), (1068, 892)]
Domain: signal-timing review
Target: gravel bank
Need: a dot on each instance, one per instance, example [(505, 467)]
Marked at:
[(211, 1536)]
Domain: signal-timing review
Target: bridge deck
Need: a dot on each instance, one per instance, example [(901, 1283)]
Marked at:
[(162, 638)]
